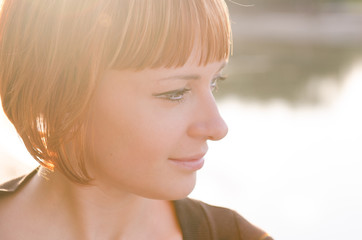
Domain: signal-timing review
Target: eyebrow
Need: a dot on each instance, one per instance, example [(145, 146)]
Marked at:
[(191, 76), (183, 77)]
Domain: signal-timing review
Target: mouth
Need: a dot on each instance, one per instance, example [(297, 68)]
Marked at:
[(193, 163)]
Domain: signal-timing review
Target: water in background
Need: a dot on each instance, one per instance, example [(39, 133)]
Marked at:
[(291, 161)]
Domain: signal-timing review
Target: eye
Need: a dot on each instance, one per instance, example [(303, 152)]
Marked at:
[(214, 86), (173, 96)]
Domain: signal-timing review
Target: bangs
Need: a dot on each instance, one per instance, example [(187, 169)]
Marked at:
[(163, 33)]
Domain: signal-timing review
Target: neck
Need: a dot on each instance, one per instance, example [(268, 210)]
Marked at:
[(90, 212)]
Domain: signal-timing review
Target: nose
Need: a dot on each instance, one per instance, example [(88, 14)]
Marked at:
[(207, 122)]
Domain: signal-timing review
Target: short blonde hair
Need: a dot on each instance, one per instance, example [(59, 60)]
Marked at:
[(53, 53)]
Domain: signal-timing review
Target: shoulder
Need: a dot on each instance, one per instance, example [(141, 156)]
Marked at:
[(211, 222), (15, 184), (15, 210), (11, 188)]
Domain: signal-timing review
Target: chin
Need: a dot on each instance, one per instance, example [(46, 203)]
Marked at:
[(175, 190), (181, 194)]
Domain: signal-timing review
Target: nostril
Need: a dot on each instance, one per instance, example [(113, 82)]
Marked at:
[(219, 131), (207, 122)]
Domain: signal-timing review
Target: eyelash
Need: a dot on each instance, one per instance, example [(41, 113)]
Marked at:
[(178, 95), (175, 95), (215, 83)]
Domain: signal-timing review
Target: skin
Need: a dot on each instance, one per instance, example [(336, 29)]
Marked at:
[(137, 128), (140, 123)]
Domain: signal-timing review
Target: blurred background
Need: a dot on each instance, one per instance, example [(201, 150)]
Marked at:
[(291, 162)]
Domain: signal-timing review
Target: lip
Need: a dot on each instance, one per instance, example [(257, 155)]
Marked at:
[(191, 163)]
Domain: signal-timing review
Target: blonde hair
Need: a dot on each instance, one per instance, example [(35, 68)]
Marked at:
[(53, 52)]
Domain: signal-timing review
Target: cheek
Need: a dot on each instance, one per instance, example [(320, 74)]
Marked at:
[(132, 152), (137, 133)]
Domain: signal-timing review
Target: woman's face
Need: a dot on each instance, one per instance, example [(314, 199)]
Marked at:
[(150, 128)]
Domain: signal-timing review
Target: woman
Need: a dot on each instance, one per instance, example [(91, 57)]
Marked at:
[(114, 99)]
